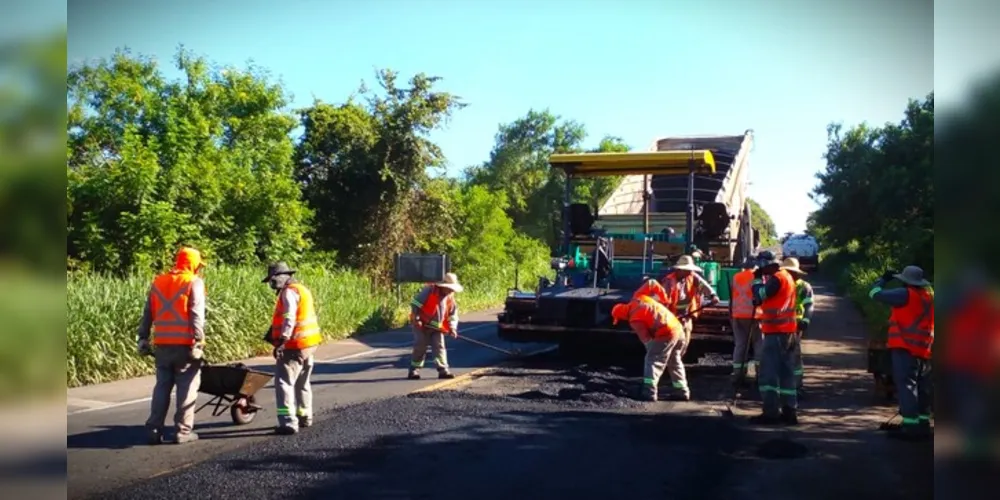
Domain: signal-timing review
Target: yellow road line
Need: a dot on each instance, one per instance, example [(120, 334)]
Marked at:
[(458, 379)]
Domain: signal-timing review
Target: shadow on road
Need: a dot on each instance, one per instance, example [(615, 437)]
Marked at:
[(119, 437)]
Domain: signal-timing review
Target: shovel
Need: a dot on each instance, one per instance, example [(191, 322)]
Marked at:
[(728, 412), (515, 352)]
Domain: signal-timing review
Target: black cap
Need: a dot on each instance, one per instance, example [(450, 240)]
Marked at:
[(275, 269)]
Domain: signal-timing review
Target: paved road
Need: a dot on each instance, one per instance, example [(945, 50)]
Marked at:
[(105, 438), (546, 428)]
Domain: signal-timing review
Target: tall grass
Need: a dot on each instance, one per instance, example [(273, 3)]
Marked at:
[(853, 272), (104, 313)]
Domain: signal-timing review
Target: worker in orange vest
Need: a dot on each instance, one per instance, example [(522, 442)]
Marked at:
[(776, 379), (745, 322), (911, 335), (685, 287), (433, 314), (175, 312), (295, 335), (661, 333), (972, 356)]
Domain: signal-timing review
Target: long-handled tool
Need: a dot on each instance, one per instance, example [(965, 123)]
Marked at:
[(728, 412), (515, 352)]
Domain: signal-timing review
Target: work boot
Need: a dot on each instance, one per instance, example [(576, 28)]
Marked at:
[(187, 437), (305, 422), (154, 436), (647, 393), (680, 396), (286, 430), (445, 374), (789, 416), (414, 374), (765, 419)]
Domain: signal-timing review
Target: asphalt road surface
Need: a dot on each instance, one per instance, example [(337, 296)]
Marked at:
[(540, 428)]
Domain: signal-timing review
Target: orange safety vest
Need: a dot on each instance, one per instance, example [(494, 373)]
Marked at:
[(306, 332), (778, 312), (434, 314), (656, 316), (654, 289), (171, 319), (673, 286), (972, 331), (741, 296), (911, 327)]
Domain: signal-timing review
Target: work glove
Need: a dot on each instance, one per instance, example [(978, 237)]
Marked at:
[(144, 348), (758, 273), (453, 333), (888, 275), (278, 351), (715, 300), (803, 326), (197, 351)]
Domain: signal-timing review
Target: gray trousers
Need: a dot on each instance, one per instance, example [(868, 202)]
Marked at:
[(746, 331), (798, 368), (292, 386), (776, 378), (423, 337), (912, 377), (665, 353), (174, 368)]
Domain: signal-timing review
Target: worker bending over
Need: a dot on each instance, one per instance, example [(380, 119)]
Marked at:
[(745, 321), (175, 311), (433, 313), (661, 333), (911, 335), (295, 335), (776, 380), (803, 315)]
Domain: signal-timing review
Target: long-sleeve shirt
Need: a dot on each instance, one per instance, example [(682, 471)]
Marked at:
[(417, 304), (702, 287), (804, 299), (895, 297), (290, 303), (196, 312)]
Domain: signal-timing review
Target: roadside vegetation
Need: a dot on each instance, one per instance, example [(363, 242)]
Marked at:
[(876, 199)]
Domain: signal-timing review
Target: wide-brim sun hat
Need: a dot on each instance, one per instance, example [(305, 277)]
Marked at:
[(791, 264), (451, 282), (276, 269), (912, 275), (685, 263)]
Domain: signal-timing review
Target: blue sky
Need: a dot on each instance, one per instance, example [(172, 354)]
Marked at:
[(637, 69)]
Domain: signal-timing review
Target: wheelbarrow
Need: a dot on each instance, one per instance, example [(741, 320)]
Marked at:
[(232, 388), (880, 366)]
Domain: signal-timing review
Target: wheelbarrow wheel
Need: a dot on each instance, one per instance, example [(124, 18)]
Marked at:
[(243, 412)]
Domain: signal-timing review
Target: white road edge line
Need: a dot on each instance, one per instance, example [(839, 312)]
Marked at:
[(361, 354)]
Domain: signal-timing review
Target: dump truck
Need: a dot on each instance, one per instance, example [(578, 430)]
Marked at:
[(803, 247), (684, 193)]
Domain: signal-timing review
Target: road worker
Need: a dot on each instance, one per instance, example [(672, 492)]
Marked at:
[(803, 315), (685, 287), (653, 289), (661, 332), (911, 335), (295, 335), (434, 313), (175, 311), (971, 309), (745, 321), (776, 379)]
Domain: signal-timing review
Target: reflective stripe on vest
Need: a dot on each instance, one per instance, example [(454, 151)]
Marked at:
[(169, 300), (911, 327), (306, 332), (656, 316), (693, 292), (741, 295), (433, 313), (778, 312)]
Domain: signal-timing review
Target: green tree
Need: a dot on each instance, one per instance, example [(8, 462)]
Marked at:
[(761, 221), (877, 187), (364, 169), (518, 165), (154, 164)]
